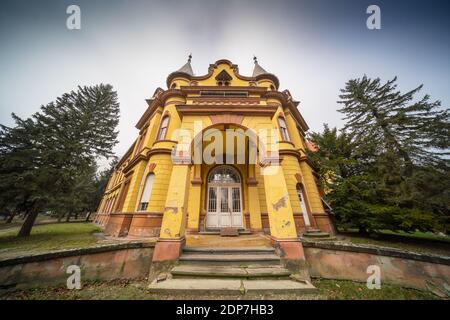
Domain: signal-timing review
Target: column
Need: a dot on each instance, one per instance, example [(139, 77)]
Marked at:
[(253, 200), (281, 218), (195, 194), (171, 239)]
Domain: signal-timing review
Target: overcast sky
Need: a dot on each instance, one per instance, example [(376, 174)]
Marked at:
[(313, 47)]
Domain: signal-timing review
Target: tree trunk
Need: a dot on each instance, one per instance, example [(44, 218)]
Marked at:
[(88, 215), (76, 216), (60, 216), (68, 217), (11, 217), (27, 225)]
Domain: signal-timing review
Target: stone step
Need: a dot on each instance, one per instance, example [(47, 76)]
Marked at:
[(313, 230), (196, 271), (231, 286), (237, 259), (209, 232), (316, 234), (218, 231), (228, 250)]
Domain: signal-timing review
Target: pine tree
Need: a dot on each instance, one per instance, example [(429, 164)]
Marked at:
[(400, 142), (383, 120), (43, 159)]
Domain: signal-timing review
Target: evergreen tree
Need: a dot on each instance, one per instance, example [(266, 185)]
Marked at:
[(385, 121), (46, 159), (396, 162)]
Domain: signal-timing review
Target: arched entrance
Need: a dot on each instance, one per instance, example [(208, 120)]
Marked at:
[(224, 202)]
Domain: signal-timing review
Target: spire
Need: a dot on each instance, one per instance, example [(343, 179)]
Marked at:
[(258, 70), (187, 67)]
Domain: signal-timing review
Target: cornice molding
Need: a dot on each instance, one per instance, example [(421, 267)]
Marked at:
[(205, 109)]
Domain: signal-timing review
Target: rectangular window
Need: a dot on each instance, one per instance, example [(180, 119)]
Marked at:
[(236, 200), (223, 93), (212, 205)]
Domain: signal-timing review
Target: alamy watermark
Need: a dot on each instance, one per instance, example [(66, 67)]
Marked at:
[(374, 280), (373, 22), (73, 21), (74, 280)]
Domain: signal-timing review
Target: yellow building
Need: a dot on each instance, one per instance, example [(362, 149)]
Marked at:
[(217, 151)]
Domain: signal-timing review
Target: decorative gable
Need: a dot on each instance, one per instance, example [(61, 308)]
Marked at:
[(223, 78)]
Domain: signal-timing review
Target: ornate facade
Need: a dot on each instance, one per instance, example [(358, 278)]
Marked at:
[(160, 188)]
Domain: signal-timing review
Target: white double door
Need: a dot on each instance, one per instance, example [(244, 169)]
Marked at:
[(224, 206)]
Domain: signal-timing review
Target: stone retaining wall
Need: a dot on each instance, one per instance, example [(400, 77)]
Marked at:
[(107, 262), (332, 260)]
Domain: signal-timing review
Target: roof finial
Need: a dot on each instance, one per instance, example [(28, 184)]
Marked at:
[(255, 59), (190, 57)]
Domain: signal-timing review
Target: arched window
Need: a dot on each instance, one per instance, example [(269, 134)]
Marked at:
[(140, 142), (283, 129), (146, 192), (163, 129), (224, 174), (302, 200)]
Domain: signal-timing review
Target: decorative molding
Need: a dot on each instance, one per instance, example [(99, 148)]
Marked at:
[(164, 140), (151, 167), (256, 110), (196, 181), (226, 119), (252, 182)]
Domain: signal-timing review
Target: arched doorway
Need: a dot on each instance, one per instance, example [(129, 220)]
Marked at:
[(224, 202)]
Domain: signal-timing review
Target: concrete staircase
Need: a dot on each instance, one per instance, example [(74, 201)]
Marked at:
[(231, 271)]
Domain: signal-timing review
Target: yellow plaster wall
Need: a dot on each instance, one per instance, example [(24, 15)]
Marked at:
[(153, 128), (175, 210), (290, 168), (162, 172), (261, 190)]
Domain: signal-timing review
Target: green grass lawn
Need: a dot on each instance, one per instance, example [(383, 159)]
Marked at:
[(420, 242), (47, 237), (328, 289), (349, 290)]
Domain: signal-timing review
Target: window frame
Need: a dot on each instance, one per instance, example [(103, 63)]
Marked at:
[(141, 203), (284, 132), (165, 116)]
